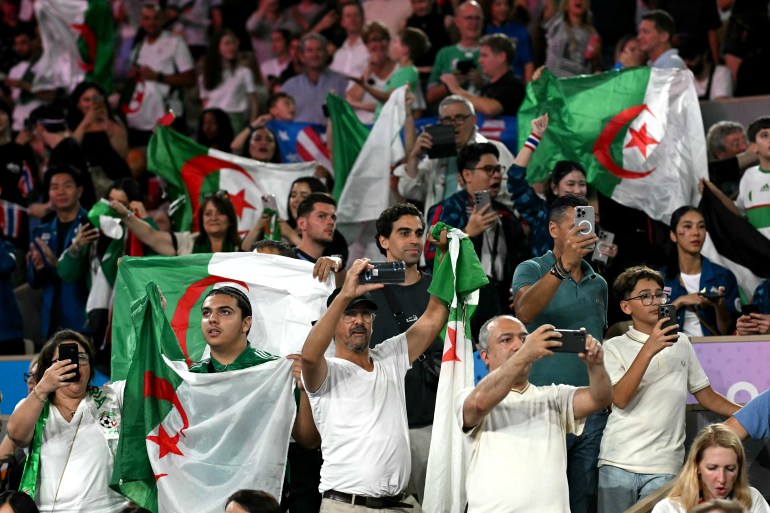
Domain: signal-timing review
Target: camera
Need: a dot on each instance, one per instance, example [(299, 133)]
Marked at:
[(384, 272)]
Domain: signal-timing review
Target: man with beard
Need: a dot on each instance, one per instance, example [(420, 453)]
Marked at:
[(400, 232), (358, 398)]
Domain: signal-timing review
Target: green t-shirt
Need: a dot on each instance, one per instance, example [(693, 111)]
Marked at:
[(248, 358), (401, 76), (447, 59)]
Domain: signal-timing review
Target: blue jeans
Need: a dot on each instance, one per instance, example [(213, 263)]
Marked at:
[(620, 489), (582, 458)]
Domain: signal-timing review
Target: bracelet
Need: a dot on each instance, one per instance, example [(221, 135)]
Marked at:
[(556, 272), (130, 214), (34, 392), (563, 269), (532, 141)]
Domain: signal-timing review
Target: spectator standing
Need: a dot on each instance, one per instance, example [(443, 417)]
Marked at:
[(21, 76), (162, 66), (655, 32), (503, 91), (351, 58), (225, 83), (574, 46), (272, 68), (381, 66), (310, 87), (427, 16), (194, 20), (712, 81), (627, 53), (498, 15), (560, 288), (268, 16)]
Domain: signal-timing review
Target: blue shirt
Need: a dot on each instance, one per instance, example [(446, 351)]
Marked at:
[(669, 59), (309, 98), (522, 42)]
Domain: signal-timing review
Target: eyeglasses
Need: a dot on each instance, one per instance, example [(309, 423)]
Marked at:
[(457, 119), (218, 194), (490, 170), (27, 376), (351, 315), (82, 359), (646, 299)]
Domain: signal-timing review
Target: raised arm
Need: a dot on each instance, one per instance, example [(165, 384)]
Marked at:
[(159, 241), (598, 394)]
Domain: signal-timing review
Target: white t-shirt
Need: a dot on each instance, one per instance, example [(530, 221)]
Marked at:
[(273, 67), (367, 117), (647, 436), (83, 474), (754, 199), (721, 84), (232, 94), (519, 458), (758, 504), (692, 327), (21, 111), (169, 55), (351, 59), (361, 417)]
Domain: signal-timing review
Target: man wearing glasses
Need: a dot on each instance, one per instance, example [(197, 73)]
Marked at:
[(495, 231), (429, 181), (358, 398), (652, 369)]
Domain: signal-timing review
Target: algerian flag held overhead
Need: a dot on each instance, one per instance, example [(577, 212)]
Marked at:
[(78, 41), (456, 280), (192, 172), (227, 430), (638, 133), (285, 300)]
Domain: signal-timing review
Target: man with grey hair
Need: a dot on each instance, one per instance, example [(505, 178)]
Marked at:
[(503, 411), (310, 87), (430, 181), (728, 154)]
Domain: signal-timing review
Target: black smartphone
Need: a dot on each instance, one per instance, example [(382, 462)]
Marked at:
[(70, 352), (465, 66), (384, 272), (443, 139), (711, 296), (480, 199), (749, 309), (667, 311), (572, 341)]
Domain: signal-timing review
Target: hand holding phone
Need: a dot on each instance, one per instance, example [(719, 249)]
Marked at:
[(572, 341), (384, 272), (70, 352), (585, 218), (268, 202), (667, 311)]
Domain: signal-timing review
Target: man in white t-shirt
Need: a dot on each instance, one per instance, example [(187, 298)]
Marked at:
[(519, 458), (358, 399), (352, 57), (162, 64), (652, 370)]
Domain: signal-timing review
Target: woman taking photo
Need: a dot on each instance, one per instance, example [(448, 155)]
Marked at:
[(703, 292), (715, 469), (72, 436)]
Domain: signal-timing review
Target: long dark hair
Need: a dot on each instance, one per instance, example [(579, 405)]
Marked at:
[(315, 185), (19, 502), (225, 133), (232, 240), (212, 64), (45, 360), (560, 170), (672, 269), (74, 116), (277, 157)]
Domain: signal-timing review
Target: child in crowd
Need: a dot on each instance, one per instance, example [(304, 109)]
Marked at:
[(652, 369)]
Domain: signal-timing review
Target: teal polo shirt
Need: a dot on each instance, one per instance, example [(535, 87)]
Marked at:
[(574, 306)]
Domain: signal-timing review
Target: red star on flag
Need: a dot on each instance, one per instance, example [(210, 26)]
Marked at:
[(240, 203), (167, 444), (451, 354), (640, 139)]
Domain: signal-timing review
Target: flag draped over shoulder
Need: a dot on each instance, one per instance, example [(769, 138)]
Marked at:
[(228, 430), (637, 132), (456, 281), (192, 172), (285, 300), (78, 41)]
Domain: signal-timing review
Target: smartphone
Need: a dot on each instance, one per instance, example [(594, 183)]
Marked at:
[(464, 67), (749, 309), (572, 341), (606, 238), (384, 272), (443, 139), (667, 311), (585, 218), (711, 296), (70, 352), (268, 201), (481, 199)]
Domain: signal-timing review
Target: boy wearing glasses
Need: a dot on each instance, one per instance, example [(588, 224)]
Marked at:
[(652, 369)]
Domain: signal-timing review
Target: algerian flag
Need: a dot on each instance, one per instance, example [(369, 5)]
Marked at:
[(349, 136), (285, 300), (78, 41), (227, 430), (456, 281), (104, 217), (638, 133), (192, 172)]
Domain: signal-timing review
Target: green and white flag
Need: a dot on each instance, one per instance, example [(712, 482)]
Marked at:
[(227, 430), (638, 133), (192, 171), (285, 300), (456, 281), (78, 42)]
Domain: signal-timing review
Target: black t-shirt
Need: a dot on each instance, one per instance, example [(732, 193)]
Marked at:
[(433, 26), (413, 300), (508, 90)]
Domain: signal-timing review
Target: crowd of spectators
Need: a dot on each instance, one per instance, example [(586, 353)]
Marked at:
[(220, 70)]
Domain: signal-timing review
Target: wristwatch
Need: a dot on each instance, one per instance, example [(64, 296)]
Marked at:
[(555, 272)]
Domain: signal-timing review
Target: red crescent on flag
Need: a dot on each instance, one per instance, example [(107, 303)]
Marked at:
[(139, 95), (195, 171), (90, 40), (181, 318), (162, 389), (602, 145)]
